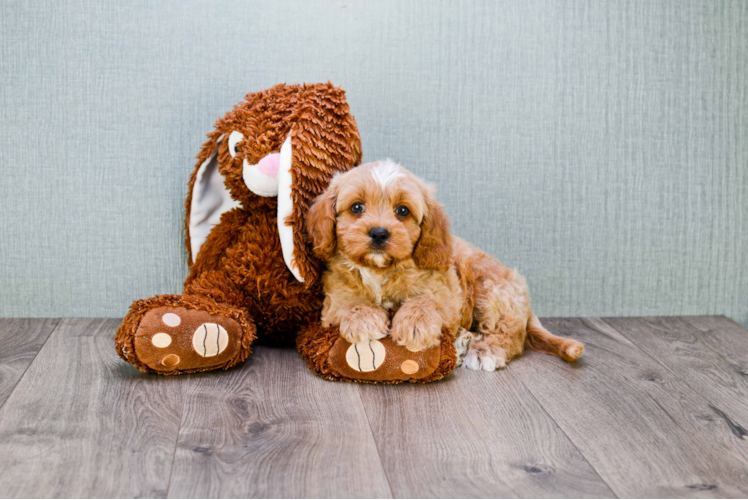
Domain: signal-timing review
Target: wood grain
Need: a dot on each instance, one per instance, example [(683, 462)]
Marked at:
[(20, 341), (82, 423), (655, 408), (712, 362), (640, 426), (726, 337), (476, 434), (272, 429)]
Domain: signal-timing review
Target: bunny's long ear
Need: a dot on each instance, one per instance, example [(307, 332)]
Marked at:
[(207, 198), (324, 140)]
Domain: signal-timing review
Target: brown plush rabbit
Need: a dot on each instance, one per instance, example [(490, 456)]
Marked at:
[(252, 273)]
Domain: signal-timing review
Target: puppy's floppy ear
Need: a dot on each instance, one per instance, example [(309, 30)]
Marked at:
[(434, 248), (320, 223)]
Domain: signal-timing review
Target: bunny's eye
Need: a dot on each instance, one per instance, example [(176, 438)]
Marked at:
[(402, 211), (234, 139), (357, 208)]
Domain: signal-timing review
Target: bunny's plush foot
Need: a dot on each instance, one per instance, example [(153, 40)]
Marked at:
[(173, 334), (374, 360)]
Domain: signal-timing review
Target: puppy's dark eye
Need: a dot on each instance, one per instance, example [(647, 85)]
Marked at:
[(357, 208), (402, 211)]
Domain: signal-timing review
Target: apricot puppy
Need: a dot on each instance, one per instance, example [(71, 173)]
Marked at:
[(390, 254)]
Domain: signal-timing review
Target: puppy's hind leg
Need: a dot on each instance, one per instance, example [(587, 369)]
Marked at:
[(462, 344), (485, 353), (500, 314)]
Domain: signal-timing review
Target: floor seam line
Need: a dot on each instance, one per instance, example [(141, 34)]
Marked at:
[(532, 395), (53, 330), (696, 390), (376, 445), (176, 443)]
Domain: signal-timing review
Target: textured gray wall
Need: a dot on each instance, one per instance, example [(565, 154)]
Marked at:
[(601, 147)]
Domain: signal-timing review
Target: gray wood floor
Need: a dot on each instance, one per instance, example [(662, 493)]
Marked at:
[(658, 407)]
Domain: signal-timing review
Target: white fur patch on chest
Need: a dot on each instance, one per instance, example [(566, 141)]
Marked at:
[(373, 282)]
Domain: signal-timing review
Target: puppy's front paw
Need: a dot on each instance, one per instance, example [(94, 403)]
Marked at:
[(364, 323), (416, 328)]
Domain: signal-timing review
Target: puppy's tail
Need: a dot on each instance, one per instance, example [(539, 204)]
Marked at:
[(541, 340)]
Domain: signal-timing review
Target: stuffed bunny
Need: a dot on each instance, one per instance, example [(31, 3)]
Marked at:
[(252, 273)]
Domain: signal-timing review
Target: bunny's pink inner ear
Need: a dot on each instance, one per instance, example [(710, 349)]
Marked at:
[(285, 207), (210, 199)]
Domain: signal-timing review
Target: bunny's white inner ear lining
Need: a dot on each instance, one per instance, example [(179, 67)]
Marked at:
[(210, 199), (285, 207)]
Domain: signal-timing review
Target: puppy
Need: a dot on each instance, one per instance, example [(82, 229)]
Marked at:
[(390, 254)]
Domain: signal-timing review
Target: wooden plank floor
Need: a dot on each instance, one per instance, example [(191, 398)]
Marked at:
[(658, 407)]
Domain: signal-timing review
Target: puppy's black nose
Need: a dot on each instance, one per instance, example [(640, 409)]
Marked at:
[(379, 236)]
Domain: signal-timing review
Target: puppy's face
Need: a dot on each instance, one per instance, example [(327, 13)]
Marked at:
[(379, 210), (378, 215)]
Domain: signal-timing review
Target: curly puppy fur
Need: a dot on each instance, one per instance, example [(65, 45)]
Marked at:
[(389, 249)]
